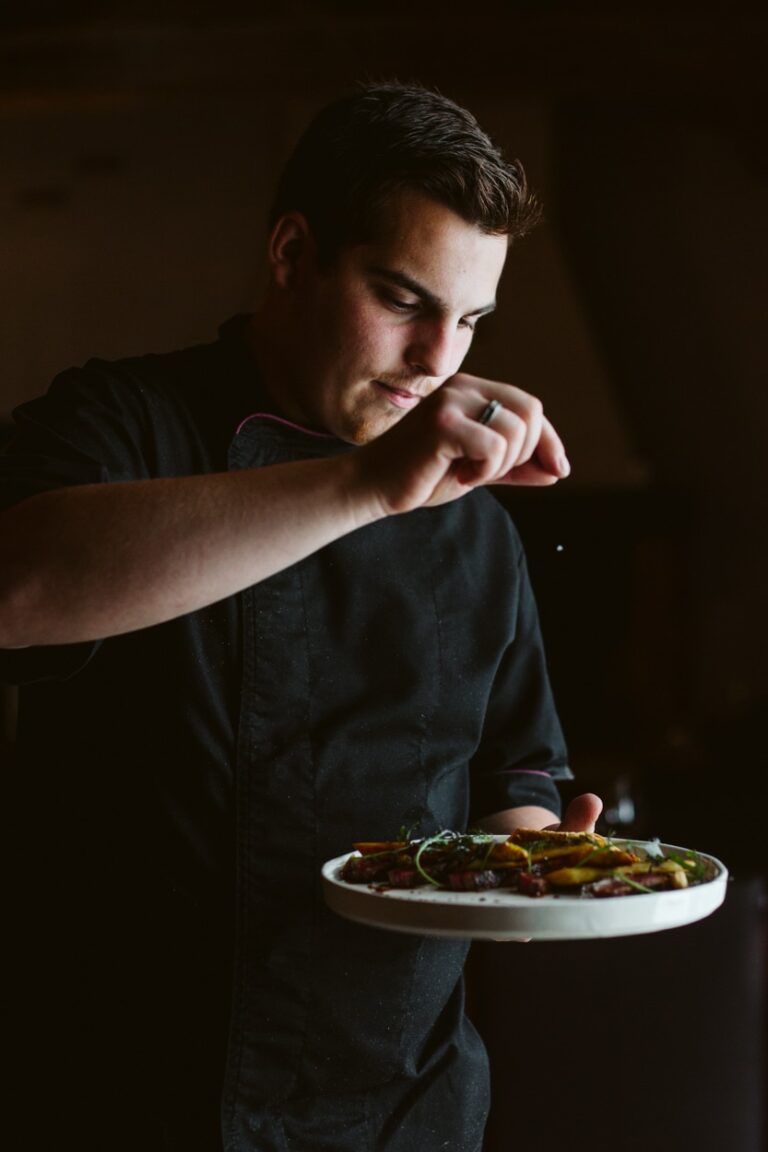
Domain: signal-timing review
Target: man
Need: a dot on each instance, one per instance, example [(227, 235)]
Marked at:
[(260, 607)]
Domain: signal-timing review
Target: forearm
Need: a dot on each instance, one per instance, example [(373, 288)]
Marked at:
[(99, 560)]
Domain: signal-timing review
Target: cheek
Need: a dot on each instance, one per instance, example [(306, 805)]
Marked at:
[(462, 345), (369, 340)]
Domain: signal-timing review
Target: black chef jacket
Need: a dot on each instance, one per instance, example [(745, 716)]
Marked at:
[(181, 984)]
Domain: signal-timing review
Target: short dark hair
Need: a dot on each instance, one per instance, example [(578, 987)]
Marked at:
[(386, 138)]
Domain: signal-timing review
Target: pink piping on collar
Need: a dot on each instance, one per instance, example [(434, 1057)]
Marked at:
[(519, 771), (280, 420)]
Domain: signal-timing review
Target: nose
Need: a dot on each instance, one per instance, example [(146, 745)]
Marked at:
[(433, 349)]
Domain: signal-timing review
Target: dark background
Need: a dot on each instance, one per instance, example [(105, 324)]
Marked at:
[(138, 149)]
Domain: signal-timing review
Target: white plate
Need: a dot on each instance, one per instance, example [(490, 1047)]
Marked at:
[(499, 915)]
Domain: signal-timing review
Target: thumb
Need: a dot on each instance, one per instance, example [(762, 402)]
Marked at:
[(581, 814)]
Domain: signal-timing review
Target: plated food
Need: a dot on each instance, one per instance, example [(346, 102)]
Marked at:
[(531, 861), (532, 885)]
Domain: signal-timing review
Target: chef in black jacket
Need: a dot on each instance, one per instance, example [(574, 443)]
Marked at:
[(260, 604)]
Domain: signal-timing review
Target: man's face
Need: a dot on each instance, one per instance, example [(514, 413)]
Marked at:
[(390, 320)]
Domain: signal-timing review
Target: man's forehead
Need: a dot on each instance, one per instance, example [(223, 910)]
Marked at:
[(427, 248), (408, 207)]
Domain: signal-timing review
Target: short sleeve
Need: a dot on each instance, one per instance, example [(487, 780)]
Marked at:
[(88, 429)]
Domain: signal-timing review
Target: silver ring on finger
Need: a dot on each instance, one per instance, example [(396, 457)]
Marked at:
[(489, 412)]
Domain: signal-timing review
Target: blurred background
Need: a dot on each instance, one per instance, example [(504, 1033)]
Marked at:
[(139, 144)]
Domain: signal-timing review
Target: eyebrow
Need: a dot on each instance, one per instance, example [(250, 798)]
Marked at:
[(404, 281)]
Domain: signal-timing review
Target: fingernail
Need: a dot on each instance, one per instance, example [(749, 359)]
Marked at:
[(563, 465)]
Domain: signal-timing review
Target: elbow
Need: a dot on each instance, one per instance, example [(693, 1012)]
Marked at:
[(19, 613), (25, 583), (11, 637)]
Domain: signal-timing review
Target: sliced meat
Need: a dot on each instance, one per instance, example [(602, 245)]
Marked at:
[(474, 881)]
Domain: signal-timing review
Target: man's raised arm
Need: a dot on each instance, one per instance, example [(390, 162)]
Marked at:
[(85, 562)]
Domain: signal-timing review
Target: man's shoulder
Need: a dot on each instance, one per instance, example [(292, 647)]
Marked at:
[(198, 379), (160, 369), (163, 413)]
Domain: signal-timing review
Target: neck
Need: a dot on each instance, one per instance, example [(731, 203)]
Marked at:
[(269, 346)]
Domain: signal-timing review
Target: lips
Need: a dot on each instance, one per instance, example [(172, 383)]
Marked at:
[(400, 397)]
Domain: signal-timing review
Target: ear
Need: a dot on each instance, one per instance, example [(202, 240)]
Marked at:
[(289, 248)]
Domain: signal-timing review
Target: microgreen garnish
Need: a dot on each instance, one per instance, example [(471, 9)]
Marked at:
[(441, 836), (694, 867), (489, 848), (536, 846), (583, 860), (632, 883), (463, 845), (651, 848), (406, 833)]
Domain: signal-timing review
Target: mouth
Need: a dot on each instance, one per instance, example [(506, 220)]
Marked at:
[(400, 397)]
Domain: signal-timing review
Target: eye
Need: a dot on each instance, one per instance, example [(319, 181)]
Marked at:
[(468, 322), (398, 304)]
